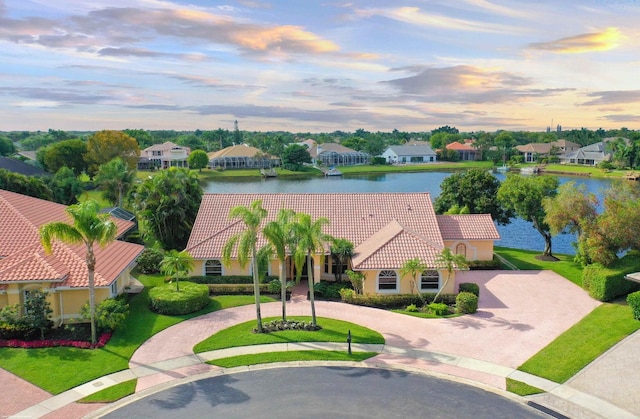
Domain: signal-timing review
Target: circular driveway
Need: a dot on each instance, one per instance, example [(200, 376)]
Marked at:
[(321, 392)]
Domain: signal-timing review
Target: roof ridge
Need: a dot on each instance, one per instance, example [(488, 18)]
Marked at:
[(377, 240), (211, 237)]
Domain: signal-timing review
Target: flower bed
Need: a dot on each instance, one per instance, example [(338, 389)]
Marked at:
[(31, 344)]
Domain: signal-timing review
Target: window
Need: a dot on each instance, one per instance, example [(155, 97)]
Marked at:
[(213, 268), (429, 281), (114, 288), (387, 281), (461, 249)]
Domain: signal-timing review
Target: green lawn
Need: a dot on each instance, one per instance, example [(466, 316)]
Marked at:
[(332, 331), (605, 326), (423, 315), (584, 170), (526, 260), (111, 394), (289, 356), (96, 195), (522, 389), (439, 166), (59, 369)]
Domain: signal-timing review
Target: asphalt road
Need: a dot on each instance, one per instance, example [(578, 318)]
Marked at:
[(324, 392)]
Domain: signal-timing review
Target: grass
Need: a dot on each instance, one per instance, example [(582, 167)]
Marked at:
[(526, 260), (424, 315), (439, 166), (96, 195), (111, 394), (605, 326), (332, 331), (522, 389), (583, 170), (289, 356), (59, 369)]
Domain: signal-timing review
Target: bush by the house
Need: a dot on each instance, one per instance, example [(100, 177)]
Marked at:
[(484, 265), (469, 287), (394, 301), (412, 308), (28, 320), (633, 300), (149, 260), (191, 298), (236, 289), (110, 313), (439, 309), (274, 286), (467, 303), (607, 283), (227, 279), (330, 290)]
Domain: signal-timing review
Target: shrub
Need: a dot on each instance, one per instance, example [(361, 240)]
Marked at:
[(275, 288), (235, 289), (633, 300), (605, 284), (377, 161), (467, 302), (393, 301), (279, 325), (110, 313), (412, 308), (330, 289), (149, 260), (227, 279), (347, 294), (166, 300), (484, 265), (469, 287), (439, 309)]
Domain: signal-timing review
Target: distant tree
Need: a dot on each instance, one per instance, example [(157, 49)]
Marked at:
[(26, 185), (168, 204), (476, 190), (375, 145), (6, 146), (143, 137), (69, 153), (294, 156), (192, 141), (176, 264), (620, 219), (115, 179), (446, 129), (621, 152), (198, 159), (65, 186), (104, 146), (524, 196)]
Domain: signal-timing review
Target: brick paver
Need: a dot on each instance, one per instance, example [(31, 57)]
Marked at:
[(18, 394)]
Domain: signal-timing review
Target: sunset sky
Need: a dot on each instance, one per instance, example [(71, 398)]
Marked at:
[(307, 66)]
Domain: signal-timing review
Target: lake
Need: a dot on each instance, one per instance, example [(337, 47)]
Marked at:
[(518, 234)]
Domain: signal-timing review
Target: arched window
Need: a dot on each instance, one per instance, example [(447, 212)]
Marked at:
[(387, 281), (461, 249), (213, 267), (429, 281)]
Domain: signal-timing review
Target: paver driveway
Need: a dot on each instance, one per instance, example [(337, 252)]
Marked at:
[(520, 312)]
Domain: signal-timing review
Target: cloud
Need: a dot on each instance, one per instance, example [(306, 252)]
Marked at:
[(622, 118), (58, 96), (590, 42), (614, 97)]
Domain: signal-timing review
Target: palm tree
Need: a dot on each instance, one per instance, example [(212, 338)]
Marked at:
[(246, 243), (413, 267), (176, 263), (89, 227), (279, 235), (115, 178), (449, 261), (342, 250), (310, 240)]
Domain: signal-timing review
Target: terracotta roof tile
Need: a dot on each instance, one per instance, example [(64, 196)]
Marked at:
[(468, 227), (241, 150)]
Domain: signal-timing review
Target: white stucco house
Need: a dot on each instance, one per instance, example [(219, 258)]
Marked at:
[(409, 154)]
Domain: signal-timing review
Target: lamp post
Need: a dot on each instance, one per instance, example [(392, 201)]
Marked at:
[(349, 341)]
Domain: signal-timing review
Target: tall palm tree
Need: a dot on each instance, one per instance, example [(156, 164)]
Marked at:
[(89, 227), (449, 261), (246, 243), (175, 264), (413, 267), (279, 234), (310, 240), (342, 250), (115, 179)]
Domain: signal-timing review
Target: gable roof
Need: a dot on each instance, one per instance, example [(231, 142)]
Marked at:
[(467, 227), (166, 146), (334, 148), (461, 147), (412, 150), (17, 166), (242, 150), (22, 258), (386, 228)]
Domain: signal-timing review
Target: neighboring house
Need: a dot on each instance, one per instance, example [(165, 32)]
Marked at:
[(242, 156), (20, 167), (332, 154), (531, 152), (163, 156), (409, 154), (590, 155), (24, 267), (466, 151), (387, 229)]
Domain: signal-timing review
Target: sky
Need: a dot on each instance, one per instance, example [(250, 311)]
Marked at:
[(319, 66)]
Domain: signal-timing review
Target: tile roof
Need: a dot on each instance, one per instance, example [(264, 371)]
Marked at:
[(468, 227), (242, 150), (22, 256), (385, 228), (17, 166), (459, 146), (166, 146), (412, 150)]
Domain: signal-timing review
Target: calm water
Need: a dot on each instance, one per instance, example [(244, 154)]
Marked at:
[(518, 234)]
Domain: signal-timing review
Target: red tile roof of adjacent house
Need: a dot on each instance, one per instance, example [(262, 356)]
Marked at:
[(22, 258), (467, 227), (386, 228), (459, 146)]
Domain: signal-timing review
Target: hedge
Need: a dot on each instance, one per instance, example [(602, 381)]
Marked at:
[(227, 279), (469, 287), (467, 303), (395, 301), (607, 283), (166, 300), (240, 289), (633, 300), (484, 265)]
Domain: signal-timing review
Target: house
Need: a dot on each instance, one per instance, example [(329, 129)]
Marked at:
[(22, 168), (466, 151), (409, 154), (163, 156), (590, 155), (532, 151), (332, 154), (24, 267), (242, 156), (387, 229)]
